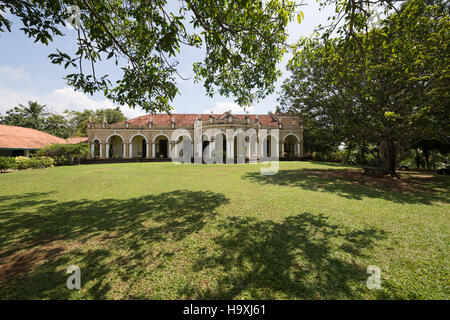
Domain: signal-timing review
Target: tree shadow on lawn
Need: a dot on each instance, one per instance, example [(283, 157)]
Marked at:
[(353, 184), (54, 235), (302, 257)]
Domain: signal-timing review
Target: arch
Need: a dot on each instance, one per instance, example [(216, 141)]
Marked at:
[(238, 131), (269, 134), (96, 143), (291, 134), (219, 132), (219, 146), (252, 144), (176, 134), (291, 148), (161, 149), (182, 150), (265, 150), (115, 134), (161, 135), (204, 133), (136, 150), (110, 145), (245, 144), (96, 139), (183, 135), (138, 134)]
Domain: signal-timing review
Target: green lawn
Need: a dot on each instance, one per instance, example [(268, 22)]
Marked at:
[(166, 231)]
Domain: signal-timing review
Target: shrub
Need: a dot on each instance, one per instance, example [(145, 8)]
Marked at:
[(46, 162), (33, 163), (7, 163), (64, 154), (40, 162), (330, 156), (22, 163)]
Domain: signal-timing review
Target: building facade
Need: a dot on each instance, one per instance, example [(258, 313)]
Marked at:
[(163, 136)]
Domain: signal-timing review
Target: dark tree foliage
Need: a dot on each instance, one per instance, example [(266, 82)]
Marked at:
[(389, 87)]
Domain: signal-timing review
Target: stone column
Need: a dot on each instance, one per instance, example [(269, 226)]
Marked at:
[(147, 150), (282, 149), (153, 150), (232, 151), (92, 150), (277, 148), (228, 149), (212, 149), (130, 155), (298, 149), (107, 150), (124, 150)]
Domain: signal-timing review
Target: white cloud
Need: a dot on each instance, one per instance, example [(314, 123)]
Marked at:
[(222, 107), (14, 74), (59, 100)]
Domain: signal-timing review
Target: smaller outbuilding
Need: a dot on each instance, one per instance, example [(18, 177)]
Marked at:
[(19, 141)]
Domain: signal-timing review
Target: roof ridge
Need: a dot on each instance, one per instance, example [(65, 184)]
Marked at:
[(10, 126), (189, 118), (30, 129)]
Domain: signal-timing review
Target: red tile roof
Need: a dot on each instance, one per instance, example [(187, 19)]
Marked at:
[(75, 140), (184, 119), (12, 137)]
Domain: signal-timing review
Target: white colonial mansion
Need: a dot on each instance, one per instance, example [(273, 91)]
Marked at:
[(211, 137)]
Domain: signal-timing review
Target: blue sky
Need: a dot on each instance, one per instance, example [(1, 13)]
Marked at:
[(26, 73)]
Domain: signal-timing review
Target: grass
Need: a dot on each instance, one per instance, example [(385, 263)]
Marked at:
[(166, 231)]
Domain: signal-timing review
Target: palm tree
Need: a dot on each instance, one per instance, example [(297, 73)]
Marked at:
[(34, 114)]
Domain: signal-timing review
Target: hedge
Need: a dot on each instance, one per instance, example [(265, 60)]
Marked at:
[(7, 163), (41, 162), (23, 163)]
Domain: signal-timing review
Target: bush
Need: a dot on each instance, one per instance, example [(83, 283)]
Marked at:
[(331, 156), (22, 163), (41, 162), (46, 162), (33, 163), (7, 163), (64, 154)]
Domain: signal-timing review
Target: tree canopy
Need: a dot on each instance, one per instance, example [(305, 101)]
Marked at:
[(389, 87), (242, 40)]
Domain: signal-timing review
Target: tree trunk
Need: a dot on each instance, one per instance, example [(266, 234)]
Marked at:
[(426, 154), (417, 159), (389, 155), (349, 151), (433, 160), (362, 156)]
